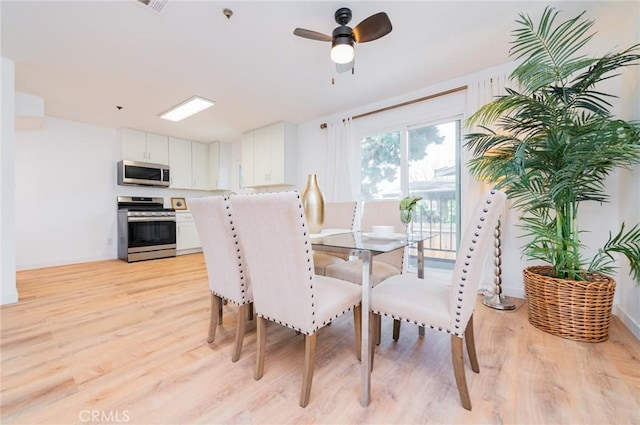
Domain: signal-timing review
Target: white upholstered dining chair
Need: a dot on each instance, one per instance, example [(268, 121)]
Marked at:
[(275, 236), (375, 212), (446, 306), (337, 215), (226, 266)]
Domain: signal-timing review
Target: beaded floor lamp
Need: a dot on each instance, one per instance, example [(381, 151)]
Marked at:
[(497, 300)]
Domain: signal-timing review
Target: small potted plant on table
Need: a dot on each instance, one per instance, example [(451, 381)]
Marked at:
[(407, 207)]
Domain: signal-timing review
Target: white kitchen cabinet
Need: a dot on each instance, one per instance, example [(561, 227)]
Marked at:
[(180, 163), (157, 148), (200, 166), (269, 156), (187, 239), (145, 147), (220, 166), (189, 163), (247, 160)]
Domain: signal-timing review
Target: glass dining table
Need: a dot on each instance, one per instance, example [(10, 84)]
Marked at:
[(365, 246)]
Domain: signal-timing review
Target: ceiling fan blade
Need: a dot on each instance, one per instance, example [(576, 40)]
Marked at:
[(372, 28), (345, 67), (313, 35)]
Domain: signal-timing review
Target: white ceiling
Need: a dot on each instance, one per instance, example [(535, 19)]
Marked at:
[(86, 57)]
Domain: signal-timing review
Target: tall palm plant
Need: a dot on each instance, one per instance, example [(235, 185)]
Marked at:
[(556, 142)]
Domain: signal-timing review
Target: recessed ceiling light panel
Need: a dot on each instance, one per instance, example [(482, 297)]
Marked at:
[(187, 108)]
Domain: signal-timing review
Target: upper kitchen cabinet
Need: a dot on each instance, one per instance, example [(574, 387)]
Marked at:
[(145, 147), (180, 163), (189, 162), (220, 166), (200, 166), (269, 156)]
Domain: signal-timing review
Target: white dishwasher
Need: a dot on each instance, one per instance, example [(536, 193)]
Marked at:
[(187, 239)]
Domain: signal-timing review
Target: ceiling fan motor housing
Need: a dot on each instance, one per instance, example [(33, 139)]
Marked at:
[(343, 31)]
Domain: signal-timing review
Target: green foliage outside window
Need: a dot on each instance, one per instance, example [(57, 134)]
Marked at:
[(381, 156)]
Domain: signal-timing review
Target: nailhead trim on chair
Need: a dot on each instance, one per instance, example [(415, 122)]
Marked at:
[(227, 201), (300, 330), (457, 332), (245, 301)]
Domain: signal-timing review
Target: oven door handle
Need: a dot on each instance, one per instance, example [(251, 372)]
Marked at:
[(144, 219)]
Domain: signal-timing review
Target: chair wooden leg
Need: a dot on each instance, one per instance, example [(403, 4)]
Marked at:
[(307, 373), (357, 325), (250, 312), (261, 337), (458, 370), (396, 329), (471, 346), (220, 303), (378, 329), (240, 328), (214, 320)]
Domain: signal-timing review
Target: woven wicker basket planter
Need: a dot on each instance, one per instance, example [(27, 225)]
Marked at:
[(577, 310)]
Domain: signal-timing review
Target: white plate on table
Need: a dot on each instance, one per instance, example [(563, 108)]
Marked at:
[(392, 237)]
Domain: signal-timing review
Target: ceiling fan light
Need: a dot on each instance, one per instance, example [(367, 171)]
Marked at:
[(342, 51)]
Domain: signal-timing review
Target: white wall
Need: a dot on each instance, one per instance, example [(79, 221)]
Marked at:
[(627, 300), (64, 182), (8, 292)]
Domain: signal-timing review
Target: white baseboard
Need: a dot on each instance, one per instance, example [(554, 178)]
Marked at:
[(65, 262), (633, 326), (188, 251), (8, 298), (513, 291)]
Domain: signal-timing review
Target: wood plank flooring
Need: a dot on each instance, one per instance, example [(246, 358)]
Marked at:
[(112, 342)]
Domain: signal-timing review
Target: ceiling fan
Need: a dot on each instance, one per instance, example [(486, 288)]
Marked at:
[(343, 37)]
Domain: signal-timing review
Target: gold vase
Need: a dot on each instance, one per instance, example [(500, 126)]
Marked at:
[(313, 204)]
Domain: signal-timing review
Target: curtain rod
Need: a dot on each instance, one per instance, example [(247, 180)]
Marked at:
[(409, 102)]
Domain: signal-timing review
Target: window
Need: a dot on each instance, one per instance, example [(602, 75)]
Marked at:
[(420, 160)]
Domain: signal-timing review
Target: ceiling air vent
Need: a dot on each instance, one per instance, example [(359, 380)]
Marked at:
[(153, 5)]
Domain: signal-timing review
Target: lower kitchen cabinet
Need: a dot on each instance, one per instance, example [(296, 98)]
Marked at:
[(187, 239)]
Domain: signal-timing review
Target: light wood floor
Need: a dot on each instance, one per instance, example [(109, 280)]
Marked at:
[(111, 342)]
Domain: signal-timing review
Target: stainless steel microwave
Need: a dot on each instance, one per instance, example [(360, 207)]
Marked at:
[(143, 173)]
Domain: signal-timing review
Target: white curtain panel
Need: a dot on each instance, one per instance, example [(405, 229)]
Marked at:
[(342, 162), (480, 93)]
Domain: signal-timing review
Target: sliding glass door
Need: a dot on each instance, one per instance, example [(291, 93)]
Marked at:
[(420, 160)]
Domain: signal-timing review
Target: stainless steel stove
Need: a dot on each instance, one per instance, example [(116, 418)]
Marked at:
[(146, 230)]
